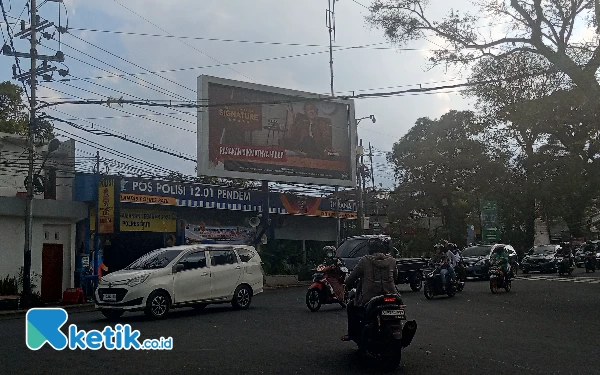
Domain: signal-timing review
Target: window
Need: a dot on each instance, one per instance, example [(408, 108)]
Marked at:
[(222, 257), (245, 255), (154, 260), (353, 248), (193, 260)]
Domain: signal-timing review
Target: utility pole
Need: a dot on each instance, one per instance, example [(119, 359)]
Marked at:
[(30, 144), (36, 25), (337, 217), (330, 23), (373, 197), (359, 158)]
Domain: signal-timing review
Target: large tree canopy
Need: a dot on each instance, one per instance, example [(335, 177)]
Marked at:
[(14, 117), (551, 29)]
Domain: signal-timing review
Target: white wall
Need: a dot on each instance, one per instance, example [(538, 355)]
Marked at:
[(12, 238)]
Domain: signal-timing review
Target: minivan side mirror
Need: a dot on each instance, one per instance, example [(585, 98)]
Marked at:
[(178, 268)]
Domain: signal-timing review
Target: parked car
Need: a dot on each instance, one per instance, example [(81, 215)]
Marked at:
[(190, 275), (410, 270), (541, 258)]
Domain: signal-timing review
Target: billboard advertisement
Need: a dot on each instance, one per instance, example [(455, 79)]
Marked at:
[(259, 132), (235, 235), (489, 220)]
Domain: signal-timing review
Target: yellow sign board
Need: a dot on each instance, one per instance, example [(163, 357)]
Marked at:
[(92, 219), (106, 206), (148, 199), (148, 221)]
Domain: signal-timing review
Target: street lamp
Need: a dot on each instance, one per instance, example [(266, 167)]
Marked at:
[(372, 117)]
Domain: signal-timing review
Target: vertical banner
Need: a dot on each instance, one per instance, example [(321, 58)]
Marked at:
[(489, 221), (106, 206)]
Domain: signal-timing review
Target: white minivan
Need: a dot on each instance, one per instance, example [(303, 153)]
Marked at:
[(180, 276)]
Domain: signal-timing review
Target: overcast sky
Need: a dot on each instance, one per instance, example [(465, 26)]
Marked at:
[(287, 21)]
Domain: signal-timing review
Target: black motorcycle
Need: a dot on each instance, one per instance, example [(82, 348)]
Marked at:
[(590, 262), (565, 266), (384, 334), (433, 284), (498, 280)]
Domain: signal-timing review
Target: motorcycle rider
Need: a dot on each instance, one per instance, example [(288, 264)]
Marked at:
[(459, 268), (500, 254), (441, 259), (377, 273), (334, 264)]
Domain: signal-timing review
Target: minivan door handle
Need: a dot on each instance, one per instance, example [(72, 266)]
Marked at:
[(204, 274), (238, 267)]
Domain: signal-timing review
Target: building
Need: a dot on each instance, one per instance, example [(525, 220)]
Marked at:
[(55, 215), (138, 215)]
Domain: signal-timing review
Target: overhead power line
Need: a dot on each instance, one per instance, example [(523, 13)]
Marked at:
[(182, 41)]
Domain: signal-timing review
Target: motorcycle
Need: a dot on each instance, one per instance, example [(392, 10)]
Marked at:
[(321, 291), (565, 266), (590, 262), (497, 277), (433, 284), (383, 333)]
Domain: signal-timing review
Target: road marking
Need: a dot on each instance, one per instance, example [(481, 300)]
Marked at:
[(588, 280)]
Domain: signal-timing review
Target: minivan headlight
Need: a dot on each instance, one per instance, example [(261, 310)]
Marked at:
[(138, 280)]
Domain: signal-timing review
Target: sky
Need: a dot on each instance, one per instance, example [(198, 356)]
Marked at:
[(286, 21)]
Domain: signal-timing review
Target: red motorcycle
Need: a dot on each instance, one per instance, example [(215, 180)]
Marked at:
[(327, 286)]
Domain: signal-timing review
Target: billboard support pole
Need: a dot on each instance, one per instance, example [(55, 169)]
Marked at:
[(265, 208), (337, 217), (359, 159)]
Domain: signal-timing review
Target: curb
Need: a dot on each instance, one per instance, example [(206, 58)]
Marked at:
[(300, 284), (12, 314)]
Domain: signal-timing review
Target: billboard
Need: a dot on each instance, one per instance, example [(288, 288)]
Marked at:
[(489, 220), (148, 221), (260, 132)]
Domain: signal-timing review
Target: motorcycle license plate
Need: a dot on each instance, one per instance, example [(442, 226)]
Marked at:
[(399, 313), (110, 298)]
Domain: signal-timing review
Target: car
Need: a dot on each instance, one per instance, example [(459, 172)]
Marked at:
[(180, 276), (410, 270), (541, 258), (477, 259)]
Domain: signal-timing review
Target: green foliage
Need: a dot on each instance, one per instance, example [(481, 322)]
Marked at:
[(14, 118), (9, 286), (34, 279)]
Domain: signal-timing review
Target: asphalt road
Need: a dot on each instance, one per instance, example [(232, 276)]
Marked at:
[(543, 326)]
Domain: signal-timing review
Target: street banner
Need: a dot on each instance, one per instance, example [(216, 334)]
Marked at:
[(200, 233), (148, 221), (264, 133), (106, 206), (490, 232)]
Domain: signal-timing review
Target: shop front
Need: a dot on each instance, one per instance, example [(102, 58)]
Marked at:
[(138, 215)]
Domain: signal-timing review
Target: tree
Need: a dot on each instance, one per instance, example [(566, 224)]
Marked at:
[(441, 168), (13, 115), (544, 28), (14, 118)]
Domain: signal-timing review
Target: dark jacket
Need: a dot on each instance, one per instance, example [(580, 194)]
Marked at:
[(378, 274)]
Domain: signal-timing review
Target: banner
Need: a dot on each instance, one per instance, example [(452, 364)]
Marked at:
[(199, 233), (148, 221), (490, 232), (264, 133), (143, 191), (106, 206)]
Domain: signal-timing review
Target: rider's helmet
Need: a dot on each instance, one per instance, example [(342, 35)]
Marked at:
[(380, 244), (329, 252)]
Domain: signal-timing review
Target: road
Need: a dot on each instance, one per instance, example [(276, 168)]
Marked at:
[(543, 326)]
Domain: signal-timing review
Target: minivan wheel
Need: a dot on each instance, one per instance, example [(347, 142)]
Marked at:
[(242, 297), (112, 315), (157, 305)]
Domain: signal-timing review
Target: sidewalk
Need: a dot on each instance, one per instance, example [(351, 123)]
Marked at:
[(13, 314)]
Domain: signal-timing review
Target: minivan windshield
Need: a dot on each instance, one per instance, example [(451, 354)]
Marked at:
[(538, 250), (154, 260), (352, 248), (476, 251)]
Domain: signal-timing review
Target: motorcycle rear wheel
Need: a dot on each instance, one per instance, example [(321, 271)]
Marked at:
[(313, 299), (494, 286), (508, 286)]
